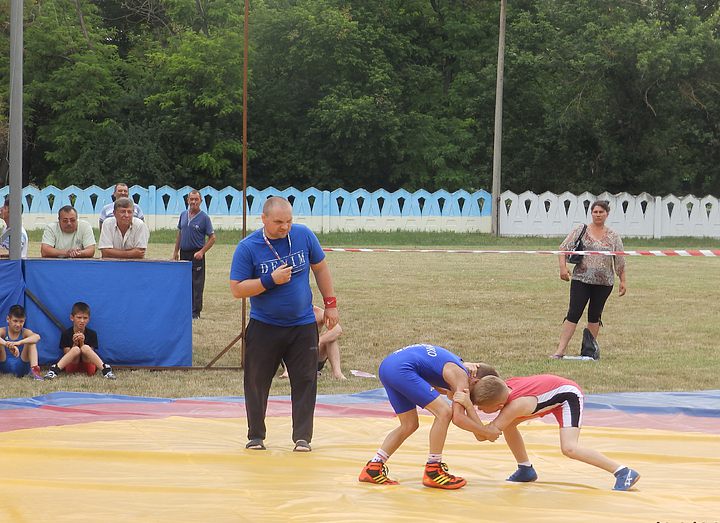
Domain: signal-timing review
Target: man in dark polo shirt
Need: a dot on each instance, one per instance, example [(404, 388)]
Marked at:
[(194, 227)]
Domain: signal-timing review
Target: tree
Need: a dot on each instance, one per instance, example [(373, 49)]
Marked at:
[(599, 94), (618, 110)]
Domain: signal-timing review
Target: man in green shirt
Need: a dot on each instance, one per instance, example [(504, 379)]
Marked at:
[(68, 238)]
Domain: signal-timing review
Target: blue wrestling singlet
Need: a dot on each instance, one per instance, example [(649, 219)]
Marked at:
[(409, 375)]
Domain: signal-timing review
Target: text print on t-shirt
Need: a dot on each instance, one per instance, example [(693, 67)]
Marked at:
[(431, 351), (296, 260)]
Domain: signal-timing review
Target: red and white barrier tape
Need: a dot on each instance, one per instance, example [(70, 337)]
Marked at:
[(665, 252)]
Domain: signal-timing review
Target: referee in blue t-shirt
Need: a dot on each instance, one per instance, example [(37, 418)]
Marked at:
[(271, 266), (194, 226)]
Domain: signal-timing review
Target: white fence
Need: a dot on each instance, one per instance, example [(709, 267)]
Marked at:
[(548, 214), (526, 214)]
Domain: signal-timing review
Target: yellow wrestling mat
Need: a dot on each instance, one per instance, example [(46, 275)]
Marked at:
[(182, 469)]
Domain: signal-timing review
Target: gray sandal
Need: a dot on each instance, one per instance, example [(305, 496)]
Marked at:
[(255, 444), (302, 446)]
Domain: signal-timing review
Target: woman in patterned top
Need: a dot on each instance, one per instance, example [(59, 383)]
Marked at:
[(593, 278)]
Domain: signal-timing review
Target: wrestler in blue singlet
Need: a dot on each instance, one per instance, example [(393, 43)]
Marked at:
[(409, 375), (14, 364)]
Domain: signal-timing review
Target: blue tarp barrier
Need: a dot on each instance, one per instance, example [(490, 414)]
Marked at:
[(12, 286), (142, 311)]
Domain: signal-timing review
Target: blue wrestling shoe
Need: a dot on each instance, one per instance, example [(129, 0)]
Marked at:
[(524, 474), (625, 478)]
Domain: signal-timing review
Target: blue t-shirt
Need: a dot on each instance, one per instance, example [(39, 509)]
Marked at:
[(193, 232), (284, 305), (425, 360)]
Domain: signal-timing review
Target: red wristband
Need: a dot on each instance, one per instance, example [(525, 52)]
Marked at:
[(330, 302)]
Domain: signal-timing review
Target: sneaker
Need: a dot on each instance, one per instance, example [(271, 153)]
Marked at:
[(53, 372), (524, 474), (108, 374), (437, 476), (35, 373), (625, 478), (376, 472)]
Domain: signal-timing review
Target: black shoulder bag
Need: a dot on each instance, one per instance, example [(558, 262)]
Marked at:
[(578, 246), (589, 347)]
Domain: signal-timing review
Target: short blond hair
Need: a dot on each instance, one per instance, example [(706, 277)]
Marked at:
[(489, 389)]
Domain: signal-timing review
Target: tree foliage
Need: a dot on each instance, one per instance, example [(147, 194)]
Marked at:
[(599, 94)]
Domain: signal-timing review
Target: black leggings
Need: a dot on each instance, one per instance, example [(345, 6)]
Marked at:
[(580, 294)]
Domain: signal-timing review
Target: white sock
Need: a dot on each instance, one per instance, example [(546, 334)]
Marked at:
[(434, 458), (381, 456), (526, 463)]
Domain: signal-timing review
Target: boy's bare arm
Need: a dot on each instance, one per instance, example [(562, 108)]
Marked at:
[(513, 410), (463, 398), (29, 337), (11, 346), (464, 421), (458, 381)]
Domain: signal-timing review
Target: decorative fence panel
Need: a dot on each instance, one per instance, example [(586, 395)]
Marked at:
[(548, 214), (525, 214)]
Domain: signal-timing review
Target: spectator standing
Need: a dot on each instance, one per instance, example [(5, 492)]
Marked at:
[(592, 279), (123, 235), (5, 237), (68, 237), (194, 226), (271, 266), (121, 191)]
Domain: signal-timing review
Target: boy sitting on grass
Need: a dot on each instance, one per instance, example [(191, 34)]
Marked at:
[(523, 398), (79, 344), (20, 355)]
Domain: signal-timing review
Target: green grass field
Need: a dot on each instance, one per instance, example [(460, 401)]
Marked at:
[(505, 309)]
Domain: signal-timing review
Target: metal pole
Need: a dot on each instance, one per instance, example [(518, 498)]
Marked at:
[(241, 337), (244, 163), (16, 125), (497, 143)]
